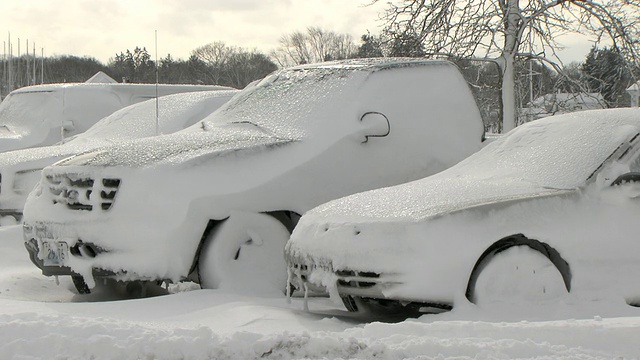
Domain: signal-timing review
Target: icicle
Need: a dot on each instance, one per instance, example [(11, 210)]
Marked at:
[(289, 273), (306, 297), (57, 280)]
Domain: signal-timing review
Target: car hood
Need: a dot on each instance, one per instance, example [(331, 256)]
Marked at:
[(431, 197), (178, 148), (32, 157), (9, 140)]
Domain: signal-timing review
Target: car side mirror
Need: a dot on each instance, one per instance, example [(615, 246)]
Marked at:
[(375, 124), (630, 177)]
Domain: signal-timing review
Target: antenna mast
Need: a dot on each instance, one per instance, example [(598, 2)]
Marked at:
[(157, 112)]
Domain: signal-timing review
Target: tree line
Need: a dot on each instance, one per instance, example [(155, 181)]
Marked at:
[(607, 71)]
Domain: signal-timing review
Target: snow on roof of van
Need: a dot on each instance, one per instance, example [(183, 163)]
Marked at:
[(101, 78), (117, 85), (318, 98), (372, 64)]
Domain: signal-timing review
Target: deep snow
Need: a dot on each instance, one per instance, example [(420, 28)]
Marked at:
[(39, 319)]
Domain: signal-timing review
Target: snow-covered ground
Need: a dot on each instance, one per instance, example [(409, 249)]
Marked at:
[(39, 319)]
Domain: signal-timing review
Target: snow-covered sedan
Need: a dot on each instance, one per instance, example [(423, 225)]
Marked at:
[(20, 169), (216, 202), (549, 212)]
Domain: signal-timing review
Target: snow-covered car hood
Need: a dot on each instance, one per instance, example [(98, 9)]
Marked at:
[(555, 155), (33, 156), (179, 148), (421, 200)]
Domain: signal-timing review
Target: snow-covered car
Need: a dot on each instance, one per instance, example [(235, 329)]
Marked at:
[(20, 169), (549, 212), (42, 115), (216, 202)]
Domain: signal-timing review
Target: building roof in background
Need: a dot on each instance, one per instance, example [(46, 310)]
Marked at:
[(101, 78)]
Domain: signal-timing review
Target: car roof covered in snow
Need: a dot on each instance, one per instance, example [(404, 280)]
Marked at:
[(309, 100), (320, 104)]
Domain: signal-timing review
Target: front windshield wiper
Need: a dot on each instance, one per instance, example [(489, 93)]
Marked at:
[(206, 127), (618, 150), (244, 122)]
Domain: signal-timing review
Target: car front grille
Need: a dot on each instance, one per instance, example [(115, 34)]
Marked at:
[(346, 279), (357, 279), (82, 193)]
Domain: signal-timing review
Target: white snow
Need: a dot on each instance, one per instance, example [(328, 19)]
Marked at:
[(40, 320)]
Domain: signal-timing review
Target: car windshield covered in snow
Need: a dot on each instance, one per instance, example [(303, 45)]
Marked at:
[(20, 109), (540, 153), (174, 112)]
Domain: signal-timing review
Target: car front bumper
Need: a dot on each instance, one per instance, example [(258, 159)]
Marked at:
[(34, 245)]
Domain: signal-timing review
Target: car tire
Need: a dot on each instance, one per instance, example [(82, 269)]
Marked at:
[(245, 252), (357, 304), (80, 285), (518, 275), (384, 308)]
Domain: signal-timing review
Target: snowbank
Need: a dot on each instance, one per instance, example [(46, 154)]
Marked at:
[(41, 320)]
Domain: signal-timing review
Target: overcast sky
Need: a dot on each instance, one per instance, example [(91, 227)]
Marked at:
[(102, 28)]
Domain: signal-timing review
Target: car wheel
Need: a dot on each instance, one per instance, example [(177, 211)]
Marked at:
[(385, 308), (245, 252), (80, 284), (518, 274), (366, 306)]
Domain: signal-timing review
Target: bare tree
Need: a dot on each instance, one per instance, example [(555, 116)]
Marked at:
[(500, 29), (314, 45), (230, 65), (215, 55)]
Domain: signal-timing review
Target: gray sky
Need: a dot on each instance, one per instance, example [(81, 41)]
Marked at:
[(102, 28)]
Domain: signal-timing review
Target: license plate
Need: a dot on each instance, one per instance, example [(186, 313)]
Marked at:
[(55, 253)]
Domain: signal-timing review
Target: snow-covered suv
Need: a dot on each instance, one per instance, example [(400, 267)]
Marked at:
[(20, 169), (216, 202)]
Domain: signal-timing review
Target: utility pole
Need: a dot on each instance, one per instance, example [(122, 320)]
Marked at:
[(4, 67), (27, 58), (33, 79), (18, 79), (42, 68), (9, 66), (157, 107)]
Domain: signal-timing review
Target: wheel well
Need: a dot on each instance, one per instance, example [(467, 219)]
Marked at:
[(518, 240), (288, 218)]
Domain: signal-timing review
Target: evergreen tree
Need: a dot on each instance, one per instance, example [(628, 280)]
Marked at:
[(606, 72), (135, 66), (371, 47), (406, 44)]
